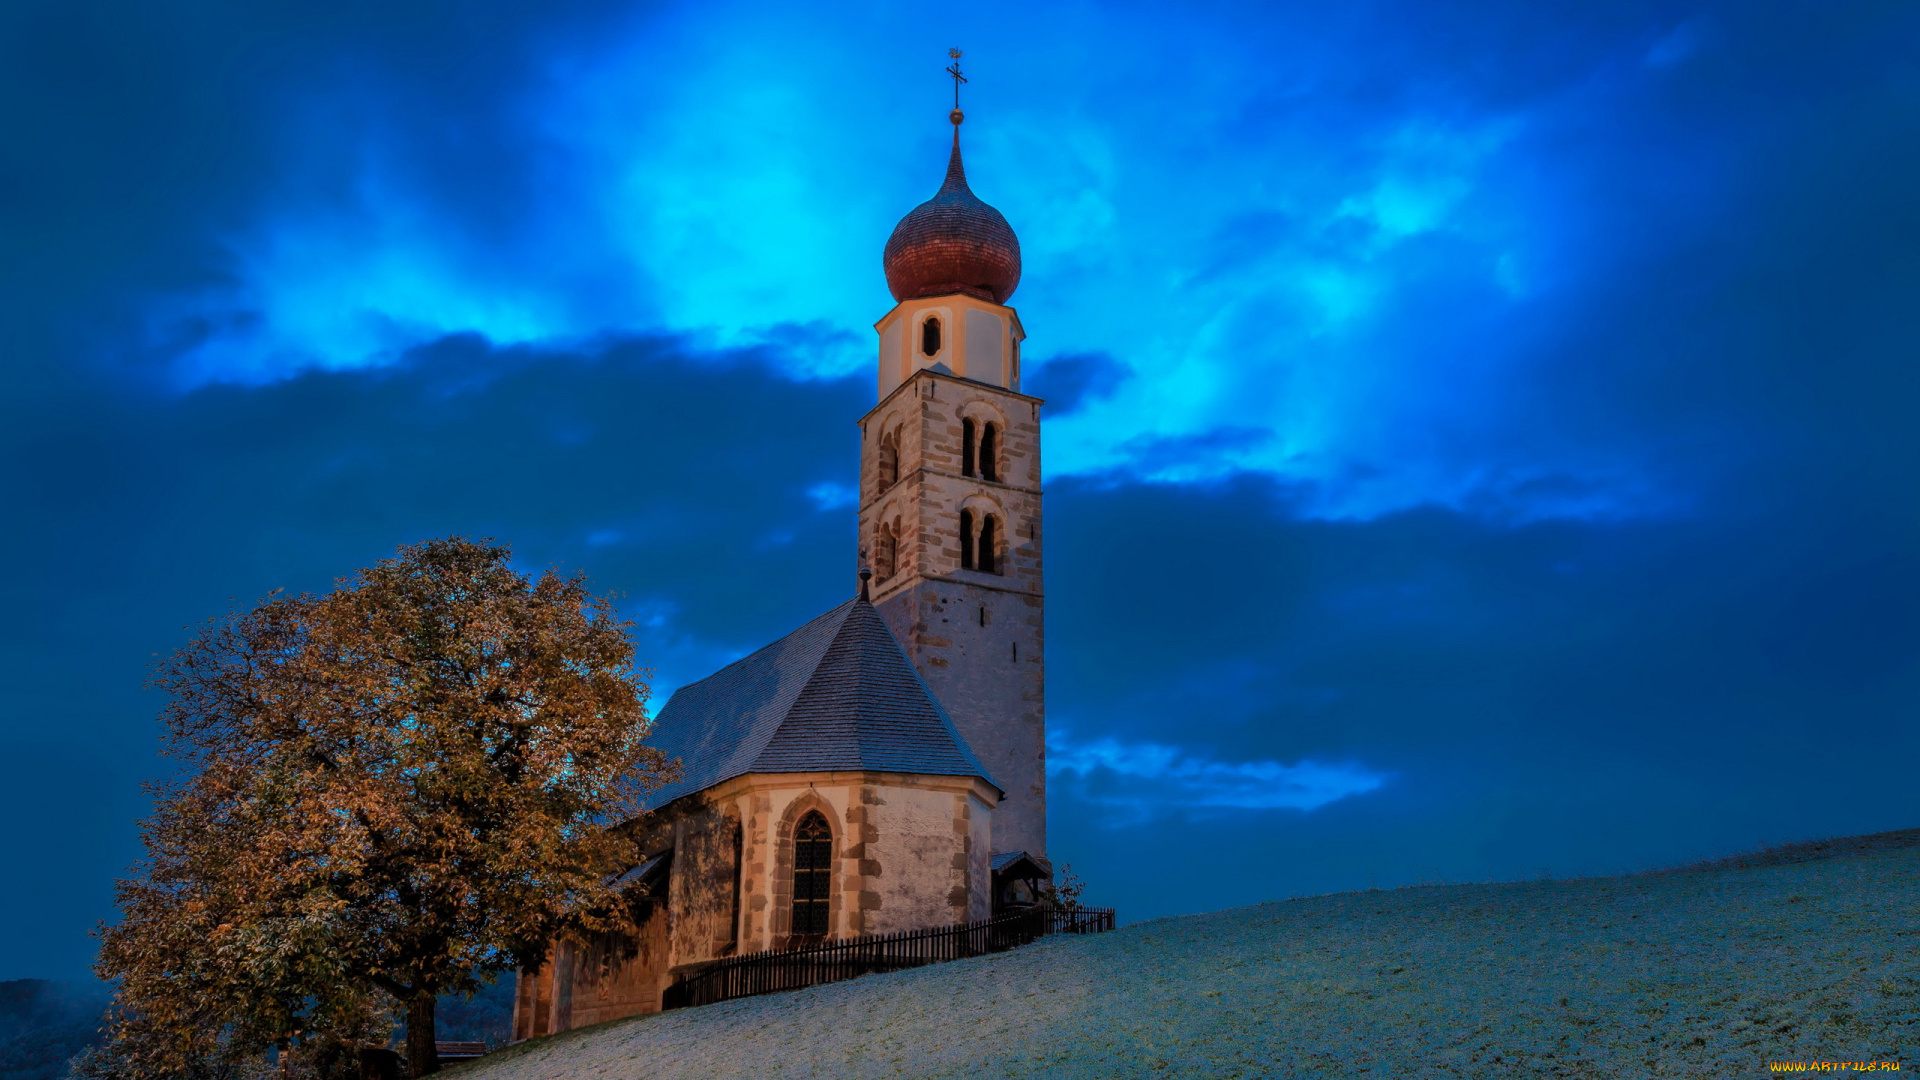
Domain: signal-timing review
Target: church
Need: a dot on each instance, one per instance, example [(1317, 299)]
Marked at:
[(883, 767)]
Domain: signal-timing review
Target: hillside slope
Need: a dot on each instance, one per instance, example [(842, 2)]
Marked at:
[(1713, 971), (43, 1024)]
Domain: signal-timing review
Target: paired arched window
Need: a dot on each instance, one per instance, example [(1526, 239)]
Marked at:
[(886, 552), (930, 336), (979, 542), (980, 450), (812, 875), (889, 459)]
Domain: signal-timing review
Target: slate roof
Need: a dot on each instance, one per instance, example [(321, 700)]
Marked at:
[(1001, 860), (645, 877), (838, 693)]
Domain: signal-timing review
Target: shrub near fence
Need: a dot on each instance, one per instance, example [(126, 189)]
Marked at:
[(792, 969)]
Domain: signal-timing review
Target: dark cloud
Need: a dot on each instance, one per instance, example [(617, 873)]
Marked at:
[(1072, 380), (1582, 697), (140, 141), (1596, 692), (677, 479)]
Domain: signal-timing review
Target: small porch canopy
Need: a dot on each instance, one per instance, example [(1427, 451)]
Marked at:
[(1017, 879)]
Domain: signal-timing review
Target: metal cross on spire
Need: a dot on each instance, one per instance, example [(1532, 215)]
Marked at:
[(957, 80)]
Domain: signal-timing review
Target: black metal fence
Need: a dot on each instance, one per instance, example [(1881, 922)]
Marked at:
[(791, 969), (1078, 920)]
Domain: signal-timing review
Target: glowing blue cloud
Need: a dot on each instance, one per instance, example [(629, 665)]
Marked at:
[(832, 496), (1307, 276), (1160, 778)]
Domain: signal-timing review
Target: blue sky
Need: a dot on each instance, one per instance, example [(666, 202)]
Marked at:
[(1479, 437)]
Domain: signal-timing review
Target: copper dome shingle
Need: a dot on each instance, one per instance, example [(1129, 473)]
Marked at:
[(953, 243)]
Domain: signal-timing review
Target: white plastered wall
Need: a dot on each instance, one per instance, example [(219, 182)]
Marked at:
[(978, 341)]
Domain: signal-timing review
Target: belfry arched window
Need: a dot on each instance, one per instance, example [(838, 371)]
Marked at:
[(966, 448), (812, 875), (989, 453), (988, 557), (889, 459), (966, 539), (886, 552), (930, 336)]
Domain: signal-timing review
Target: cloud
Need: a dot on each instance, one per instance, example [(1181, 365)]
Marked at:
[(1153, 778), (1676, 46), (1074, 380), (1375, 260), (1489, 698), (656, 469), (830, 495)]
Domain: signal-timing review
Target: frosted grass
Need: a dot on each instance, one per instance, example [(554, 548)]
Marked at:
[(1699, 973)]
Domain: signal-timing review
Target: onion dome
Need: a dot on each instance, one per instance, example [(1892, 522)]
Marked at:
[(953, 243)]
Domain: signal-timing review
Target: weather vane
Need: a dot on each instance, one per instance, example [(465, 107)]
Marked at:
[(957, 80)]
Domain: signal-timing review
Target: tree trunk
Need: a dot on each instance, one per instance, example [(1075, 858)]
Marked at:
[(422, 1056)]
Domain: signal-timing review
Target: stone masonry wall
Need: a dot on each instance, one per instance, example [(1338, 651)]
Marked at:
[(910, 852), (978, 639)]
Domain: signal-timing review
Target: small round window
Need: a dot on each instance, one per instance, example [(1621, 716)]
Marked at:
[(930, 336)]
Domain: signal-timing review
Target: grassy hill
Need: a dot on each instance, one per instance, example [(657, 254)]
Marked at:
[(1806, 953)]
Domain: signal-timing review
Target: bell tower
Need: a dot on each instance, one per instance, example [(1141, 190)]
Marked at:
[(950, 490)]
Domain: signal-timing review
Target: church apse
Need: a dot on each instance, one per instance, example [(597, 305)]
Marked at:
[(825, 746)]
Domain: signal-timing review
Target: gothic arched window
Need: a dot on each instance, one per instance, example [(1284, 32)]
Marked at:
[(889, 459), (966, 448), (987, 559), (886, 552), (989, 454), (966, 539), (930, 336), (812, 874)]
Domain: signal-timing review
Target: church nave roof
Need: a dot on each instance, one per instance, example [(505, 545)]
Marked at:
[(837, 694)]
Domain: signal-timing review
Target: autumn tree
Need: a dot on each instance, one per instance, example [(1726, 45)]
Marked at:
[(402, 787)]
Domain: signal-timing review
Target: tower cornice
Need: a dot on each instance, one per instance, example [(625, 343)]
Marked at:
[(972, 580), (956, 380)]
